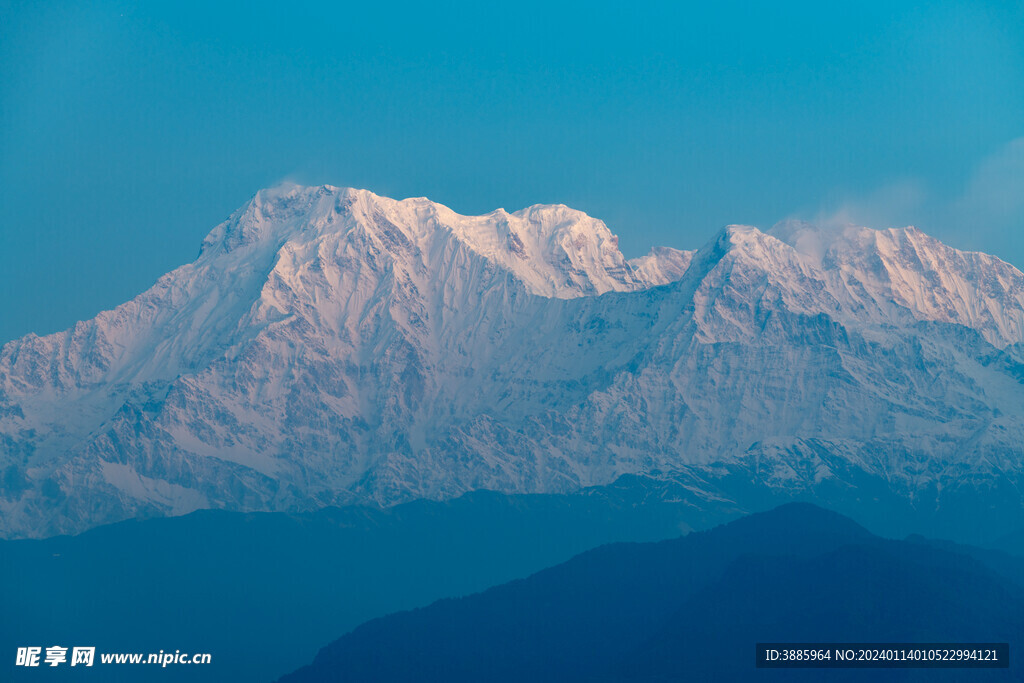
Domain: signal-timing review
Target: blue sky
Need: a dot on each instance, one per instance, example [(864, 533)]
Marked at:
[(127, 132)]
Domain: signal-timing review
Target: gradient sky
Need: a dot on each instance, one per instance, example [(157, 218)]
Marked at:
[(127, 132)]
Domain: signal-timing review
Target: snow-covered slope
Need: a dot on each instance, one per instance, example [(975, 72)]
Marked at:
[(661, 265), (865, 268), (331, 346)]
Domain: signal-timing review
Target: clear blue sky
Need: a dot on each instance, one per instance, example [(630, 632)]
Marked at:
[(127, 132)]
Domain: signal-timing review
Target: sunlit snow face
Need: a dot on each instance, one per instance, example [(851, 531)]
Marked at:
[(330, 346)]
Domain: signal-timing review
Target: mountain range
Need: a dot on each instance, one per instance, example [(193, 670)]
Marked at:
[(331, 347)]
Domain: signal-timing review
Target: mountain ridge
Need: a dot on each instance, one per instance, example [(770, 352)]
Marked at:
[(695, 606), (329, 346)]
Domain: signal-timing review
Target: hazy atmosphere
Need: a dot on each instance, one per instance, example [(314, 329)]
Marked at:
[(127, 132)]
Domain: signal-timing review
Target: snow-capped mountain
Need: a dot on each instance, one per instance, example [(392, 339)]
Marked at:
[(329, 346)]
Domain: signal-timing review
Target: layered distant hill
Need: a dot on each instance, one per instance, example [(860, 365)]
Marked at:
[(263, 591), (694, 608), (329, 347)]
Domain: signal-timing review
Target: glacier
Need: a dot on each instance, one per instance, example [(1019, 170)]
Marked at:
[(329, 346)]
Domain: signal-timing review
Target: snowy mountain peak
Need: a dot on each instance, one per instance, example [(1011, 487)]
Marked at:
[(331, 346), (878, 276), (738, 231), (662, 265), (746, 239), (553, 250)]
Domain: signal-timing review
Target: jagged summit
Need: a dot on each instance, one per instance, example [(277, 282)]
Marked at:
[(332, 346), (552, 249), (873, 276)]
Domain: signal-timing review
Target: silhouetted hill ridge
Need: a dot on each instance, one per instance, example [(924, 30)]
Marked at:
[(695, 605)]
